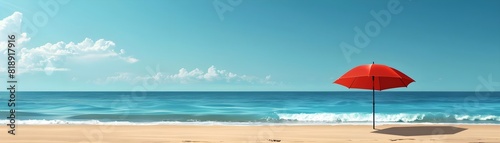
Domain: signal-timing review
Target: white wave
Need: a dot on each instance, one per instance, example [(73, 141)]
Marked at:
[(298, 119), (52, 122), (351, 117), (477, 117), (399, 117), (211, 123), (96, 122)]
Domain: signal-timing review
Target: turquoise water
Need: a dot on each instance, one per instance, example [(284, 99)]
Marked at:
[(254, 107)]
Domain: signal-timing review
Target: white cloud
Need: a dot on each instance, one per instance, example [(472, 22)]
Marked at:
[(231, 75), (185, 77), (118, 77), (40, 57), (12, 25), (54, 69), (129, 59), (211, 74), (49, 57), (8, 26)]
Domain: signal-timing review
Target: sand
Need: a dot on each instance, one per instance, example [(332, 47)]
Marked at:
[(252, 134)]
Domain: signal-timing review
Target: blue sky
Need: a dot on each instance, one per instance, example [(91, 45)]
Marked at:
[(255, 45)]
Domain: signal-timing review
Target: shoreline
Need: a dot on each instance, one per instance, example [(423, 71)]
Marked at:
[(252, 134), (217, 123)]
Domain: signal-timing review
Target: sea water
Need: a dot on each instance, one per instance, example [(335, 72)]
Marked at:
[(254, 108)]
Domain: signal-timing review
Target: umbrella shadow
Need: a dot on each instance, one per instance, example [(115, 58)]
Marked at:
[(420, 130)]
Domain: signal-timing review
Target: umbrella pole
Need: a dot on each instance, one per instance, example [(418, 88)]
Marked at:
[(373, 100)]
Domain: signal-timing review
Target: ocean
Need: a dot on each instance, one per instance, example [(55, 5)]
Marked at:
[(253, 108)]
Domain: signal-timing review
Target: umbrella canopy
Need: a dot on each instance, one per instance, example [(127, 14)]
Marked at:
[(374, 77)]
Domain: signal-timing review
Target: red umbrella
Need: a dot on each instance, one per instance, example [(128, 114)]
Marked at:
[(375, 77)]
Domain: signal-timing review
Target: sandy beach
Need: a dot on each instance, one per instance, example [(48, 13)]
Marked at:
[(252, 134)]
